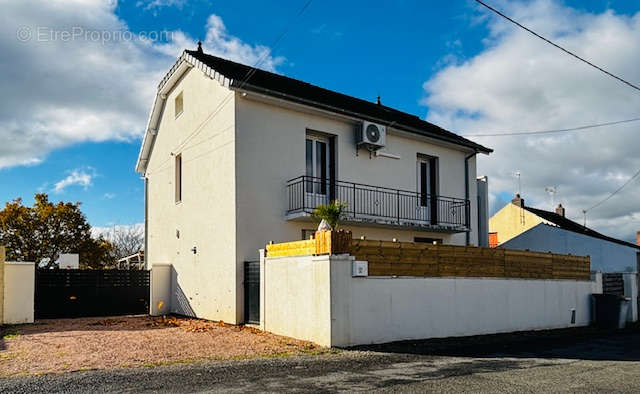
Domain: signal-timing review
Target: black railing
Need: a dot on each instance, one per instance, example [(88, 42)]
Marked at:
[(379, 204)]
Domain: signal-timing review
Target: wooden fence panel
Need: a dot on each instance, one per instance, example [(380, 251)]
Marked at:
[(415, 259), (387, 258)]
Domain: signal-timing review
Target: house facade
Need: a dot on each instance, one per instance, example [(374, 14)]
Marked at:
[(235, 157), (518, 226)]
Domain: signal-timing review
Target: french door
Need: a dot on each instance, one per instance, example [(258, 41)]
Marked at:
[(318, 158), (427, 209)]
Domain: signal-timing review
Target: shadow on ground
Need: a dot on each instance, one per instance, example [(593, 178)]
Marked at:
[(584, 343)]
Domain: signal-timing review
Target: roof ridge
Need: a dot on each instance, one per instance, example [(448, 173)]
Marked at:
[(421, 124), (588, 231)]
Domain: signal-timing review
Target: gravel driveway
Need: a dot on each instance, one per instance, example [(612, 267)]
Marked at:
[(576, 360), (64, 345)]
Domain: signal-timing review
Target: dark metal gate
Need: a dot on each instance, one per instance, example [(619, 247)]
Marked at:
[(252, 292), (84, 293)]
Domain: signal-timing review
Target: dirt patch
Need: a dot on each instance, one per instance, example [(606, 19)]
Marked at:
[(64, 345)]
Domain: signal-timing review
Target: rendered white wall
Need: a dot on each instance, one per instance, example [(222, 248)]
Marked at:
[(19, 289), (378, 310), (204, 284), (605, 256), (160, 290), (270, 149), (297, 298)]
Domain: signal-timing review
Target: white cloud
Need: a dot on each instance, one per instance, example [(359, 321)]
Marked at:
[(518, 82), (97, 85), (78, 177), (220, 43), (153, 4), (109, 196)]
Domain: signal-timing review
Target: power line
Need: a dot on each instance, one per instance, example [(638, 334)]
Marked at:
[(591, 126), (558, 46), (614, 193)]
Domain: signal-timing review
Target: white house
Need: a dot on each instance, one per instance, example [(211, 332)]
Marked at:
[(235, 157), (518, 226)]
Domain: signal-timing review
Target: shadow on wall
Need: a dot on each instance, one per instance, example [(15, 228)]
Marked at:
[(584, 343), (179, 301)]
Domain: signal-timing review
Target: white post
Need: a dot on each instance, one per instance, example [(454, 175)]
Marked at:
[(19, 290), (160, 298), (263, 257)]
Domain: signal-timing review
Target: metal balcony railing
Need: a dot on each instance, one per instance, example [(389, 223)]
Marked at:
[(376, 204)]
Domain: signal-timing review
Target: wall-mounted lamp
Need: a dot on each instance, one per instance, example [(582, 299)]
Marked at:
[(194, 250)]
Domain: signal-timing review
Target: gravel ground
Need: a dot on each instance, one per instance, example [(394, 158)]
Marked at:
[(579, 360), (64, 345)]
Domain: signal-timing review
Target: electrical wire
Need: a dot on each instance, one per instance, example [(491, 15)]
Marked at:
[(614, 193), (558, 46), (579, 128)]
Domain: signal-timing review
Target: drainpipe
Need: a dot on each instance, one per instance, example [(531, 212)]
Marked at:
[(146, 222), (466, 192)]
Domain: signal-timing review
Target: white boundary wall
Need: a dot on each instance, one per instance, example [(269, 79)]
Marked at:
[(317, 299), (296, 299), (19, 290), (160, 297)]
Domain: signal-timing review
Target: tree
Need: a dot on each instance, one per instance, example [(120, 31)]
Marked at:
[(126, 240), (333, 213), (44, 231)]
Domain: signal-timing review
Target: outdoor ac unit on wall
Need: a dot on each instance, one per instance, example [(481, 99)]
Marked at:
[(371, 135)]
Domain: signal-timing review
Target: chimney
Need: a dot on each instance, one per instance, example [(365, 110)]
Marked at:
[(518, 201), (560, 210), (638, 238)]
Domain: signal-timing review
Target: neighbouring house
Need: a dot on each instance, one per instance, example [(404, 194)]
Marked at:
[(235, 157), (518, 226)]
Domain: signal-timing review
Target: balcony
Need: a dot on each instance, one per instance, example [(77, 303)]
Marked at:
[(378, 206)]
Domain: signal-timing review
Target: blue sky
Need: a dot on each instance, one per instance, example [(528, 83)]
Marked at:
[(418, 56)]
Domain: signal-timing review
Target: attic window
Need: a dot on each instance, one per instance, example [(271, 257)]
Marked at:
[(179, 103)]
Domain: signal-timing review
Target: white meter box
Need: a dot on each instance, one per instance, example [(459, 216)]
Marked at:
[(360, 268)]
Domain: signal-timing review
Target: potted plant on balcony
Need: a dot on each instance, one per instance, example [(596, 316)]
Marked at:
[(331, 213), (328, 239)]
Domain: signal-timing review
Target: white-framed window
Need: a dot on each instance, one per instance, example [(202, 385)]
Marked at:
[(179, 104), (317, 154), (178, 178)]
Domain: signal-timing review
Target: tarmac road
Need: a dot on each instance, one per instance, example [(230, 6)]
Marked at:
[(584, 360)]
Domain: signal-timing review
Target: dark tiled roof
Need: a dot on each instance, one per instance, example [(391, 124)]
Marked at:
[(302, 92), (570, 225)]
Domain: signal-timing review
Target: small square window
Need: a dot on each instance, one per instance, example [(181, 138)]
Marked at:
[(179, 104)]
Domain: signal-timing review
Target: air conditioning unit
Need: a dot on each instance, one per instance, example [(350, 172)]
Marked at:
[(371, 135)]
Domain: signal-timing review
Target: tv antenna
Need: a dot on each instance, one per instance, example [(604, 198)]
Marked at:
[(552, 190), (584, 212)]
